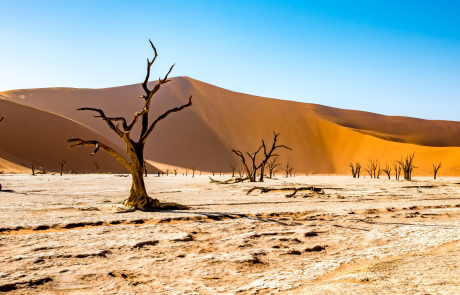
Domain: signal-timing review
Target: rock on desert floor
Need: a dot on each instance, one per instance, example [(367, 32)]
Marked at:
[(60, 235)]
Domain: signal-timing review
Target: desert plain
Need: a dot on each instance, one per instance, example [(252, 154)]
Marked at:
[(61, 235)]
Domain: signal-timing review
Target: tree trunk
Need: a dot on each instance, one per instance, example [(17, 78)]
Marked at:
[(138, 197), (262, 171)]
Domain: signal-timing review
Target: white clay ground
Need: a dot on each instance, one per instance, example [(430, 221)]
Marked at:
[(60, 235)]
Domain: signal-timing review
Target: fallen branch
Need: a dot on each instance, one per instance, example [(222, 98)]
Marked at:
[(295, 189), (229, 181)]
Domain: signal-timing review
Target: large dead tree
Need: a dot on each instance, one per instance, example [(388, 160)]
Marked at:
[(138, 198), (407, 166), (253, 168), (435, 169)]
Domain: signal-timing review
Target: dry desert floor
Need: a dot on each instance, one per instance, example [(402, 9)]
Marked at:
[(60, 235)]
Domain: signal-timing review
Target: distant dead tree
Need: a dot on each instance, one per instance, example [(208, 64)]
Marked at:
[(369, 170), (186, 171), (32, 164), (175, 171), (435, 169), (193, 170), (233, 167), (355, 169), (271, 165), (288, 169), (213, 172), (167, 171), (407, 166), (145, 167), (387, 171), (62, 163), (241, 173), (138, 198), (43, 168), (253, 169), (397, 170)]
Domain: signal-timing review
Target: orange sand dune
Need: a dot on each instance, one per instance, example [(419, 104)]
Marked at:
[(32, 134), (323, 139)]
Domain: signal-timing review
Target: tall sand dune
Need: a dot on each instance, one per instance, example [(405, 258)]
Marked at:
[(29, 134), (323, 139)]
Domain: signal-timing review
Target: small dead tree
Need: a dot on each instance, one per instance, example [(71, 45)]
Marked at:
[(193, 170), (387, 171), (407, 166), (145, 168), (175, 171), (369, 170), (138, 198), (397, 170), (268, 153), (62, 163), (213, 172), (32, 164), (271, 165), (241, 173), (186, 171), (233, 167), (43, 169), (167, 171), (435, 169), (287, 169)]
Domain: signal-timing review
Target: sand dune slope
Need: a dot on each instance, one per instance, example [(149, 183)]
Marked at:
[(323, 139), (32, 134)]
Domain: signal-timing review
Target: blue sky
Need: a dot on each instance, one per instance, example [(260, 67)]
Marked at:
[(389, 57)]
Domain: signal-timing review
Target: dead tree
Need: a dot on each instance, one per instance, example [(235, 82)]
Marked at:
[(32, 164), (271, 165), (435, 169), (213, 172), (167, 171), (233, 167), (145, 168), (241, 173), (43, 169), (379, 171), (407, 166), (175, 171), (387, 171), (268, 153), (369, 170), (62, 163), (288, 169), (193, 170), (138, 198), (397, 170), (186, 171), (355, 169)]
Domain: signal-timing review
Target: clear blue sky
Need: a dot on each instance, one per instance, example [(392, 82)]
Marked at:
[(388, 57)]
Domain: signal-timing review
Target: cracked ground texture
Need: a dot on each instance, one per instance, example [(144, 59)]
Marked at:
[(60, 235)]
